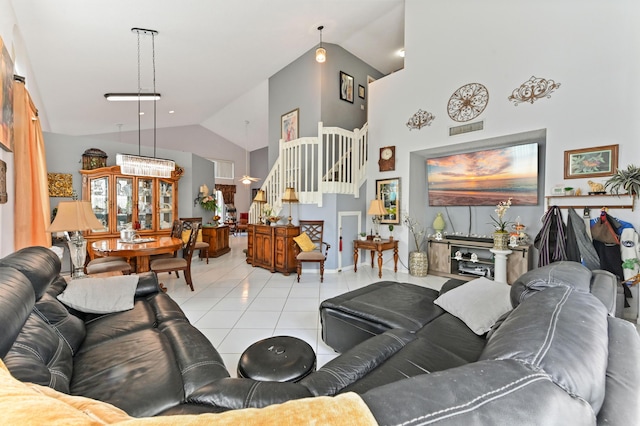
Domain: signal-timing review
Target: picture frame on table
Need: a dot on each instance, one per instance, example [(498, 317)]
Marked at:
[(289, 125), (598, 161), (346, 87), (388, 191), (361, 94)]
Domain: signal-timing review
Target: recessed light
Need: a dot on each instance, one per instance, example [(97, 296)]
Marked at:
[(400, 53), (171, 112), (141, 113)]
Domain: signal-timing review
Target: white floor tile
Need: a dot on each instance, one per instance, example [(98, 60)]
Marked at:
[(301, 304), (298, 320), (219, 319), (258, 319), (240, 339)]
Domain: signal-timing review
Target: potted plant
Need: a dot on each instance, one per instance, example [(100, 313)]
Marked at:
[(501, 235), (363, 236), (418, 261), (390, 232), (627, 179)]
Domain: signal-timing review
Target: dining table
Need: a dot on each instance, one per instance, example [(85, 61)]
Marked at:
[(139, 248)]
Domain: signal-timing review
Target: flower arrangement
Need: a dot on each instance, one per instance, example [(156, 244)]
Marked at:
[(209, 202), (417, 230), (267, 210), (501, 208)]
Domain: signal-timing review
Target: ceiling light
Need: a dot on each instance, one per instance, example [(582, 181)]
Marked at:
[(139, 165), (247, 179), (321, 53), (115, 97), (401, 53)]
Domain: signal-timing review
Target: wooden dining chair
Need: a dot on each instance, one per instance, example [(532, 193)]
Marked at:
[(176, 264), (309, 245), (108, 264), (201, 246)]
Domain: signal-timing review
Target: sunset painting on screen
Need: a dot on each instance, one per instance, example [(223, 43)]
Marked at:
[(484, 178)]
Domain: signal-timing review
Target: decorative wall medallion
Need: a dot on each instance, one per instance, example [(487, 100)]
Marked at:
[(468, 102), (532, 90), (420, 119)]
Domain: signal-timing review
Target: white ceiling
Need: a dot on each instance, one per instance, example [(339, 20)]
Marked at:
[(213, 57)]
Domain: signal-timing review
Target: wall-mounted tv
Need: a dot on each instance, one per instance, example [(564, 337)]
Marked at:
[(485, 177)]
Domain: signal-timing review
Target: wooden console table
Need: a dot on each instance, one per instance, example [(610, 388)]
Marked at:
[(271, 247), (218, 239), (376, 246)]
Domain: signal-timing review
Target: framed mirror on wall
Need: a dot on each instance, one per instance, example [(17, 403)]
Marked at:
[(388, 190)]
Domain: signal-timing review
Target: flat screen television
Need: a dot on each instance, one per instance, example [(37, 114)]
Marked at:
[(485, 177)]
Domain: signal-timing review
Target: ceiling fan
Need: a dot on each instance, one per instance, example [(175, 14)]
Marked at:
[(247, 179)]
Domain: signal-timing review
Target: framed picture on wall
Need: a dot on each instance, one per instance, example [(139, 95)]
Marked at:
[(346, 87), (388, 190), (591, 162), (6, 99), (360, 91), (289, 125)]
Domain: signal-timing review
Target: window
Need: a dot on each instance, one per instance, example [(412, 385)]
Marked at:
[(224, 169)]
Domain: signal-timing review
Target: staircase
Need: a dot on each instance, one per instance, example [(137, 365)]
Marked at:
[(332, 163)]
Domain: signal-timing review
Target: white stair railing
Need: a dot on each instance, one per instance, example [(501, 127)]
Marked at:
[(332, 163)]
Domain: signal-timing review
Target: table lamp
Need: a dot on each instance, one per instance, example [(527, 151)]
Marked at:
[(377, 210), (290, 197), (261, 198), (75, 216)]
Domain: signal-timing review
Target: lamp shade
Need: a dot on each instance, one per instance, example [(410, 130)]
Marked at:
[(75, 216), (261, 197), (290, 195), (376, 208), (321, 55)]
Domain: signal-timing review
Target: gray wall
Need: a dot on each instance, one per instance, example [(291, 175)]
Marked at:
[(64, 155)]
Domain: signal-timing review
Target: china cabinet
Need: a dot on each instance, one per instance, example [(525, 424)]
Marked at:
[(146, 204), (271, 247)]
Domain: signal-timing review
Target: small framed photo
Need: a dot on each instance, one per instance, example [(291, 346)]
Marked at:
[(388, 190), (346, 87), (360, 91), (289, 125), (591, 162)]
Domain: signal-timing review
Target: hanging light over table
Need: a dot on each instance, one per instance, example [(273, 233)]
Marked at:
[(139, 165)]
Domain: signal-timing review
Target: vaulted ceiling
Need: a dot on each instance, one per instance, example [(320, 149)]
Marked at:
[(213, 57)]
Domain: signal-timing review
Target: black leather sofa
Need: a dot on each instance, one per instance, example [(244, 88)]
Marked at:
[(558, 358)]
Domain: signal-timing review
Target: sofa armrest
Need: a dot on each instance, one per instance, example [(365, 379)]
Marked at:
[(233, 394), (357, 362), (147, 284)]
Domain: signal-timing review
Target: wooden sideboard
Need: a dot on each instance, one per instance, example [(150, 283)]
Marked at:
[(271, 247), (218, 239)]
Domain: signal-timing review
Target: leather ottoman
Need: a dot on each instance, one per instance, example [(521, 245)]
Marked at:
[(277, 359), (355, 316)]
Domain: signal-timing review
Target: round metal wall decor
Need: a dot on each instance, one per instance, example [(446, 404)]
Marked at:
[(468, 102)]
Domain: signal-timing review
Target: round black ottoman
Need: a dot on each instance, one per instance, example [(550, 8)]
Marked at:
[(279, 359)]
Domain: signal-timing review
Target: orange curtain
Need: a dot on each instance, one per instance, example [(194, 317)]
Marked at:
[(32, 188)]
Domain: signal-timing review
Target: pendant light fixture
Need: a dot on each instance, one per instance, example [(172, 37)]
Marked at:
[(139, 165), (247, 179), (321, 53)]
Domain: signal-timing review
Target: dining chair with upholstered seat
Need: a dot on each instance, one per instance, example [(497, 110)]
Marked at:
[(176, 264), (107, 264), (201, 246), (309, 245), (243, 222)]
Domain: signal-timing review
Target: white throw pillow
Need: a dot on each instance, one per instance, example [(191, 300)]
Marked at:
[(100, 295), (479, 303)]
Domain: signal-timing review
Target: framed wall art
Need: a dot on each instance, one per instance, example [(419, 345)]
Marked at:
[(591, 162), (388, 190), (360, 91), (60, 184), (289, 125), (346, 87), (3, 182), (6, 99)]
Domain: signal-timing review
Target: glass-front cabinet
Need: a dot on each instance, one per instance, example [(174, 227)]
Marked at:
[(119, 201)]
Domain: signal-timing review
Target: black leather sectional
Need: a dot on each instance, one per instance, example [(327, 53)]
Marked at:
[(558, 358)]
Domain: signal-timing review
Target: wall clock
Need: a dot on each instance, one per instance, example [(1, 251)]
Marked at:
[(387, 161), (468, 102)]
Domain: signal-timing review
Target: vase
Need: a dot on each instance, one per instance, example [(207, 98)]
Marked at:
[(501, 240), (418, 264), (438, 223)]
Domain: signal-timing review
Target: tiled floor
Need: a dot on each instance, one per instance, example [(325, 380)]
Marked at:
[(235, 304)]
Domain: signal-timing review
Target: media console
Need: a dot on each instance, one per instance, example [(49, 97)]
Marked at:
[(467, 258)]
